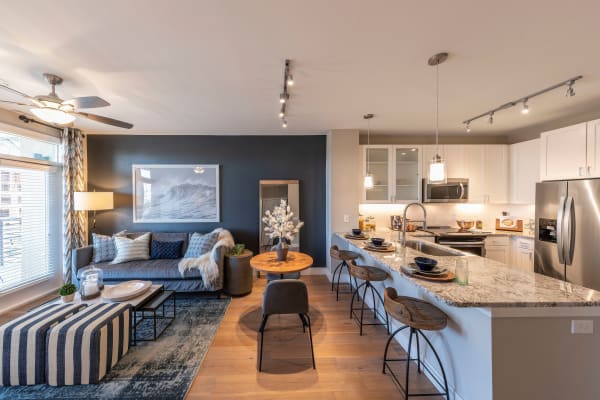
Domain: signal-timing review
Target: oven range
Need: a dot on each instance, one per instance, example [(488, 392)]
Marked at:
[(467, 241)]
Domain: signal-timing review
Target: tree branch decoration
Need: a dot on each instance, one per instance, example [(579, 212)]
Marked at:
[(279, 223)]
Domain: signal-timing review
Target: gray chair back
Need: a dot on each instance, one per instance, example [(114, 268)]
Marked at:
[(285, 296)]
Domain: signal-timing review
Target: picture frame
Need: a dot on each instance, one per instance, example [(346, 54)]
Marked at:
[(175, 193)]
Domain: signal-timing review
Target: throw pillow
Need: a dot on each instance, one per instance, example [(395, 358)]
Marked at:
[(201, 244), (103, 247), (132, 249), (166, 250)]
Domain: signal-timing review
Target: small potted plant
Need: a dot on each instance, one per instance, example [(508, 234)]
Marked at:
[(279, 225), (67, 292)]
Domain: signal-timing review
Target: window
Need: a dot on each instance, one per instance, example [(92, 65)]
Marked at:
[(30, 212)]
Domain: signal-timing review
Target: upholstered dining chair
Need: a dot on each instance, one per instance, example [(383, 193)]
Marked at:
[(285, 296)]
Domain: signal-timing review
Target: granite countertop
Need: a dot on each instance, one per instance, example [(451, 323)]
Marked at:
[(491, 283)]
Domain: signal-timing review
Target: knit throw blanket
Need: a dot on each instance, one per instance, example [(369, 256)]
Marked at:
[(206, 264)]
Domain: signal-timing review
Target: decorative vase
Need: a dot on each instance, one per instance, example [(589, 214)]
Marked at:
[(282, 250), (68, 298)]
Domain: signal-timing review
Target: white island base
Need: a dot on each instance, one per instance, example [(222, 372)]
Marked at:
[(524, 350)]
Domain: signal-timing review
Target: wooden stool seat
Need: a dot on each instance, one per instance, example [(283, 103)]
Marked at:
[(368, 273), (413, 312), (344, 255)]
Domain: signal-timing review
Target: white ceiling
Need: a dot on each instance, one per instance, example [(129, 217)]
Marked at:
[(216, 66)]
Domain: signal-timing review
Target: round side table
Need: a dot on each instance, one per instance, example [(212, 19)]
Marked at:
[(238, 274)]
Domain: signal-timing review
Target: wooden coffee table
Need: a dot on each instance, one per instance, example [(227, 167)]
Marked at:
[(267, 262)]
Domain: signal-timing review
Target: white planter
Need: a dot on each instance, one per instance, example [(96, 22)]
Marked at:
[(68, 298)]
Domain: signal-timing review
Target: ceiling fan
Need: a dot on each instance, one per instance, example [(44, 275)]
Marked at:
[(55, 110)]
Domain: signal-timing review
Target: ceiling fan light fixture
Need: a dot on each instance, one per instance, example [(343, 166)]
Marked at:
[(53, 115)]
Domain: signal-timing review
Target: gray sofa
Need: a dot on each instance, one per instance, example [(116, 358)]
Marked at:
[(159, 271)]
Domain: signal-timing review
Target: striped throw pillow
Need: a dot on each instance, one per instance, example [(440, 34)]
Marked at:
[(132, 249), (103, 247)]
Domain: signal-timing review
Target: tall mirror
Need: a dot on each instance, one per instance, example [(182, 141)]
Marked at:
[(271, 193)]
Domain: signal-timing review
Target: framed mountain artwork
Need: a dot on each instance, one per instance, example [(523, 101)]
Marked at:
[(175, 193)]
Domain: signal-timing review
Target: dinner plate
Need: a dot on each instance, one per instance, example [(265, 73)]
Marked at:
[(126, 290)]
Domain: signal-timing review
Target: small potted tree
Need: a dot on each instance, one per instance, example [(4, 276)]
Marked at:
[(238, 273), (67, 292)]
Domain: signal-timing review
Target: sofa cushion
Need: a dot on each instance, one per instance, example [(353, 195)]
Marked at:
[(104, 247), (132, 249), (201, 244), (172, 237), (165, 250), (144, 269)]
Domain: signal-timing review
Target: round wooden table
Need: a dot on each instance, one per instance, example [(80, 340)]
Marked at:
[(267, 262)]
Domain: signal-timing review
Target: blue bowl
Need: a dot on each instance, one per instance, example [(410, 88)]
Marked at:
[(356, 231), (378, 241), (425, 264)]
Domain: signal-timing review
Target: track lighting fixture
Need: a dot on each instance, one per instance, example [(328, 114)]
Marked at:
[(468, 127), (284, 97), (525, 109), (570, 91), (525, 99)]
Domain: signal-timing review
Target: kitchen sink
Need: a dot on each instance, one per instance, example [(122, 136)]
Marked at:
[(427, 248)]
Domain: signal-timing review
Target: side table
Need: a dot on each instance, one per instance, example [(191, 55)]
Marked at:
[(238, 274)]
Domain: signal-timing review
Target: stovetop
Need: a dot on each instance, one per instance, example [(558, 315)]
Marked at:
[(455, 232)]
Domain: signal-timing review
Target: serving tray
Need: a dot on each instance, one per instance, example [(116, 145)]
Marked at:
[(382, 249), (126, 290)]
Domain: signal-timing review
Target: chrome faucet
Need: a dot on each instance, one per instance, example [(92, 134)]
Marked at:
[(404, 220)]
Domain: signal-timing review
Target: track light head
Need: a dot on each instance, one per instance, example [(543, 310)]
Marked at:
[(525, 109), (468, 127), (284, 124), (290, 80), (491, 119), (570, 90), (281, 114), (283, 97)]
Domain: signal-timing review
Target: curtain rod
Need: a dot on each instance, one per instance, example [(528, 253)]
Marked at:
[(28, 120)]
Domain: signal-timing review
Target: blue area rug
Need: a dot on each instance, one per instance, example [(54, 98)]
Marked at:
[(163, 369)]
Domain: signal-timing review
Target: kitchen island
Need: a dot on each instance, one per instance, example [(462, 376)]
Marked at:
[(505, 327)]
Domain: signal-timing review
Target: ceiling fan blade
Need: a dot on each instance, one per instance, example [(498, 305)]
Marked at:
[(105, 120), (15, 102), (15, 91), (87, 102)]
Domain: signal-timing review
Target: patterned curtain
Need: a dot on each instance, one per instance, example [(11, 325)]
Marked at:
[(73, 181)]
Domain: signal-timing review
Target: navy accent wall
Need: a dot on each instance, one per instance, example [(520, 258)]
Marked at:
[(243, 160)]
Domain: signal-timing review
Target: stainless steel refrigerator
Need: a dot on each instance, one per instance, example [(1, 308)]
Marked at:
[(567, 231)]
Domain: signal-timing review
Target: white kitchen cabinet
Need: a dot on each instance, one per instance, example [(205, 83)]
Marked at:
[(593, 149), (524, 171), (486, 167), (497, 248), (563, 153), (396, 173), (522, 253)]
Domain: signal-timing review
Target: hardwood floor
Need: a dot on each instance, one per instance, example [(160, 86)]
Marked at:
[(348, 365)]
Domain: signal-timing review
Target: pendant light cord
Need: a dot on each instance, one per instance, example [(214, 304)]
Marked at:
[(437, 107), (368, 143)]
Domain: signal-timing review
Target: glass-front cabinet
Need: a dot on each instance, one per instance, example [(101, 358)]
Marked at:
[(395, 171)]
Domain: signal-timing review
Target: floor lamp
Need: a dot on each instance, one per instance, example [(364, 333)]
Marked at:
[(93, 201)]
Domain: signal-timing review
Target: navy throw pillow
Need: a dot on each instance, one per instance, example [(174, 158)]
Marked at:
[(165, 250)]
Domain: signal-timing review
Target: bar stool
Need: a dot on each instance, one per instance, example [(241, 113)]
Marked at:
[(343, 256), (417, 315), (368, 274)]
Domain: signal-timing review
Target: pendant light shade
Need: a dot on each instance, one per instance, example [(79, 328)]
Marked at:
[(437, 166), (437, 170), (368, 181)]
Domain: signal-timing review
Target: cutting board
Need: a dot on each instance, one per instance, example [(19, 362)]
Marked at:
[(507, 223)]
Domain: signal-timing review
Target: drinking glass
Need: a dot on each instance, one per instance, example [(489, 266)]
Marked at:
[(462, 271)]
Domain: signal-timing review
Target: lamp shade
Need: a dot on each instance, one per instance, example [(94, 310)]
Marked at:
[(93, 201)]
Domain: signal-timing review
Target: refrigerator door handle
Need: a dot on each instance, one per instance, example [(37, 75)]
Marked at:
[(559, 230), (569, 230)]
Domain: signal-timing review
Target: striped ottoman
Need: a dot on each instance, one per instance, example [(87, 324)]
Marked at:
[(23, 344), (83, 349)]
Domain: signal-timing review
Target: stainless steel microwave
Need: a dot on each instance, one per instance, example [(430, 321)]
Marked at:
[(453, 191)]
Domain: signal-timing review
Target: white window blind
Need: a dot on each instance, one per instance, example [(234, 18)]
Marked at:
[(30, 223)]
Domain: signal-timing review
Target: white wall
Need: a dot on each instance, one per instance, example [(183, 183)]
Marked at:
[(342, 183)]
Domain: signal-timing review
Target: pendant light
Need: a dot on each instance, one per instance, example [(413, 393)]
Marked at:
[(368, 181), (437, 166)]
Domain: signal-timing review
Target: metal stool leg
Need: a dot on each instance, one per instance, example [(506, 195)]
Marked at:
[(353, 296), (362, 306), (406, 380), (439, 362), (387, 345), (334, 272), (337, 290), (418, 355)]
